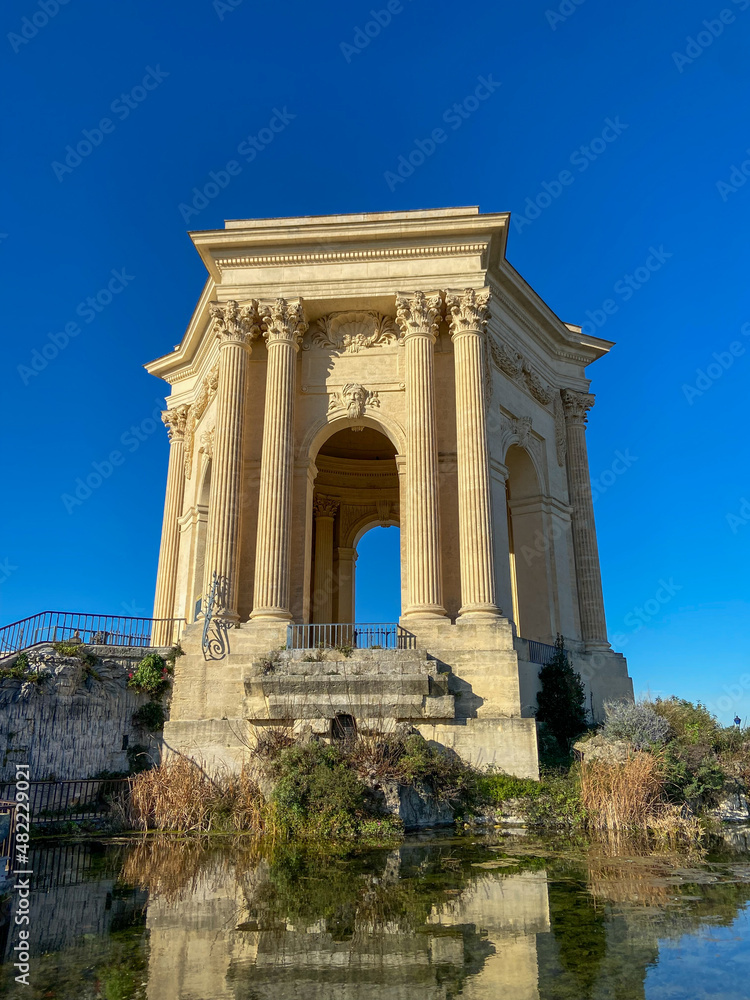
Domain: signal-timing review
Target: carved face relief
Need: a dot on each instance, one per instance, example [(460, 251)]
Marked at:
[(355, 399)]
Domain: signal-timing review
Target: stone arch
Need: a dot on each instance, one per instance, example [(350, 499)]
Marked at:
[(528, 546), (324, 429)]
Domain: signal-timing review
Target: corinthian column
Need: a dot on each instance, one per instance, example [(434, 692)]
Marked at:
[(324, 509), (283, 327), (166, 576), (419, 316), (236, 326), (468, 312), (585, 548)]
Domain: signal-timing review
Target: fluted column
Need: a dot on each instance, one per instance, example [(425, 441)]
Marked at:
[(585, 548), (166, 576), (419, 317), (467, 314), (236, 326), (283, 327), (324, 510)]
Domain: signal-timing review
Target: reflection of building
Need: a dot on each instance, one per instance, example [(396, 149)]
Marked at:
[(226, 944), (350, 371)]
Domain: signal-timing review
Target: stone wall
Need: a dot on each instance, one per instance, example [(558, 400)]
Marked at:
[(78, 721)]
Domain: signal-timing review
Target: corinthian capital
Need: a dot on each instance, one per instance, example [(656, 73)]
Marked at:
[(236, 324), (174, 420), (577, 404), (283, 321), (418, 313), (468, 311), (324, 506)]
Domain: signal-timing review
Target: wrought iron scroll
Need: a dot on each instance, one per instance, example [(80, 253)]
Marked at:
[(214, 643)]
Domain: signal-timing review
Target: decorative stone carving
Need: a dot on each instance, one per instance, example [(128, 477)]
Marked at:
[(206, 393), (515, 366), (325, 506), (207, 443), (175, 420), (561, 444), (283, 320), (419, 313), (468, 310), (351, 332), (577, 404), (235, 323), (522, 429), (355, 399), (384, 510)]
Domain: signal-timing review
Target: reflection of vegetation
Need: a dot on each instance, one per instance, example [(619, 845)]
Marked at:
[(579, 931)]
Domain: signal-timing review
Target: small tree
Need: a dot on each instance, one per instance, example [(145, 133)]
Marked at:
[(562, 698)]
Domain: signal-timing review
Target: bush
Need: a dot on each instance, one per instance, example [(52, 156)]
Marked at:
[(636, 723), (497, 788), (150, 717), (689, 723), (561, 698), (441, 771), (151, 676)]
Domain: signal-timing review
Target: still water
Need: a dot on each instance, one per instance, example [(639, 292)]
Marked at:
[(436, 918)]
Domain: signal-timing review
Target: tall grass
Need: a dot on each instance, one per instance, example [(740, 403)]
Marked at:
[(621, 797), (180, 795)]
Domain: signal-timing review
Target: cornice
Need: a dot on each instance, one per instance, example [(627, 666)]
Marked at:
[(353, 256)]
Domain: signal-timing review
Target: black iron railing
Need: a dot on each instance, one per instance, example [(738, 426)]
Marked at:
[(93, 630), (360, 635), (53, 801), (7, 831), (540, 652)]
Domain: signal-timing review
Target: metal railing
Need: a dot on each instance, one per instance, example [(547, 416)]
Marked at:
[(53, 801), (540, 652), (93, 630), (7, 836), (359, 635)]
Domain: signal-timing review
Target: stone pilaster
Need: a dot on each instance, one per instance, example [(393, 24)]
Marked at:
[(283, 327), (236, 326), (166, 576), (588, 573), (418, 317), (324, 510), (467, 313)]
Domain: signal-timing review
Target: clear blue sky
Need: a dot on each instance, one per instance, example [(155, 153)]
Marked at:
[(184, 84)]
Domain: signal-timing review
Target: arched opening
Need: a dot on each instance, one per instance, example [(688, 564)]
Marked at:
[(356, 488), (527, 548), (378, 576)]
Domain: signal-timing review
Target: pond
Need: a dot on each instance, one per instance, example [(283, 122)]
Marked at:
[(436, 917)]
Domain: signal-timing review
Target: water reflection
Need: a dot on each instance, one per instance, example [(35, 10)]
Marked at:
[(431, 920)]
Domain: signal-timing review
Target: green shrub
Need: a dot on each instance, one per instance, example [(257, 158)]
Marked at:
[(316, 793), (689, 723), (561, 698), (149, 716), (151, 676), (637, 724), (441, 771), (497, 788), (692, 773)]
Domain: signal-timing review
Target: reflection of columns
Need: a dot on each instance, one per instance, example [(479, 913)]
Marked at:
[(324, 509), (419, 317), (590, 598), (235, 328), (166, 576), (283, 327), (347, 565), (468, 320)]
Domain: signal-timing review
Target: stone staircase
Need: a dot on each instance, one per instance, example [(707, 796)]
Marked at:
[(376, 687)]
